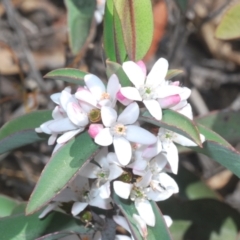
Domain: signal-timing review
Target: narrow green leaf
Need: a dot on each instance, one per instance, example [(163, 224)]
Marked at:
[(112, 35), (226, 156), (115, 68), (7, 205), (70, 75), (137, 26), (219, 150), (108, 32), (225, 123), (21, 227), (229, 25), (79, 16), (21, 131), (172, 73), (175, 122), (60, 169), (159, 231), (213, 136)]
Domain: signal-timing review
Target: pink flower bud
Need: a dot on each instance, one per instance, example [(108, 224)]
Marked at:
[(169, 101), (94, 129), (123, 100)]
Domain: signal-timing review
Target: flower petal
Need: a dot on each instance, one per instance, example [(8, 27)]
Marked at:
[(142, 65), (61, 125), (101, 203), (130, 114), (152, 150), (154, 108), (115, 172), (122, 189), (48, 209), (172, 157), (141, 225), (65, 98), (145, 211), (168, 90), (68, 135), (131, 93), (158, 72), (185, 93), (122, 149), (109, 116), (113, 86), (122, 99), (78, 207), (104, 137), (122, 222), (169, 101), (85, 95), (134, 72), (168, 220), (140, 135), (95, 85), (76, 114), (89, 170), (104, 190)]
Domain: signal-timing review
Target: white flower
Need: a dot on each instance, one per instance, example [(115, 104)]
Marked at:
[(138, 194), (96, 93), (81, 194), (154, 91), (103, 171), (119, 130), (68, 118)]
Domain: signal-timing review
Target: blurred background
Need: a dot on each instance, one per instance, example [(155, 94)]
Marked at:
[(34, 41)]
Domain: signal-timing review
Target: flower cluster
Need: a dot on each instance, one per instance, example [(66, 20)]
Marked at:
[(136, 166)]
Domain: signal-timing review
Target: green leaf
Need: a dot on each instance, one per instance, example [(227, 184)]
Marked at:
[(225, 123), (172, 73), (137, 26), (219, 150), (112, 35), (229, 25), (209, 218), (7, 205), (159, 231), (21, 131), (115, 68), (226, 156), (60, 169), (192, 187), (175, 122), (21, 227), (70, 75), (79, 16)]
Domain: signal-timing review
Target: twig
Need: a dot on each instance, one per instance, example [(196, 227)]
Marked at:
[(13, 20)]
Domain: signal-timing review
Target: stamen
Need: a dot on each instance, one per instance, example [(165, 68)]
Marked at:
[(119, 129), (105, 96)]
